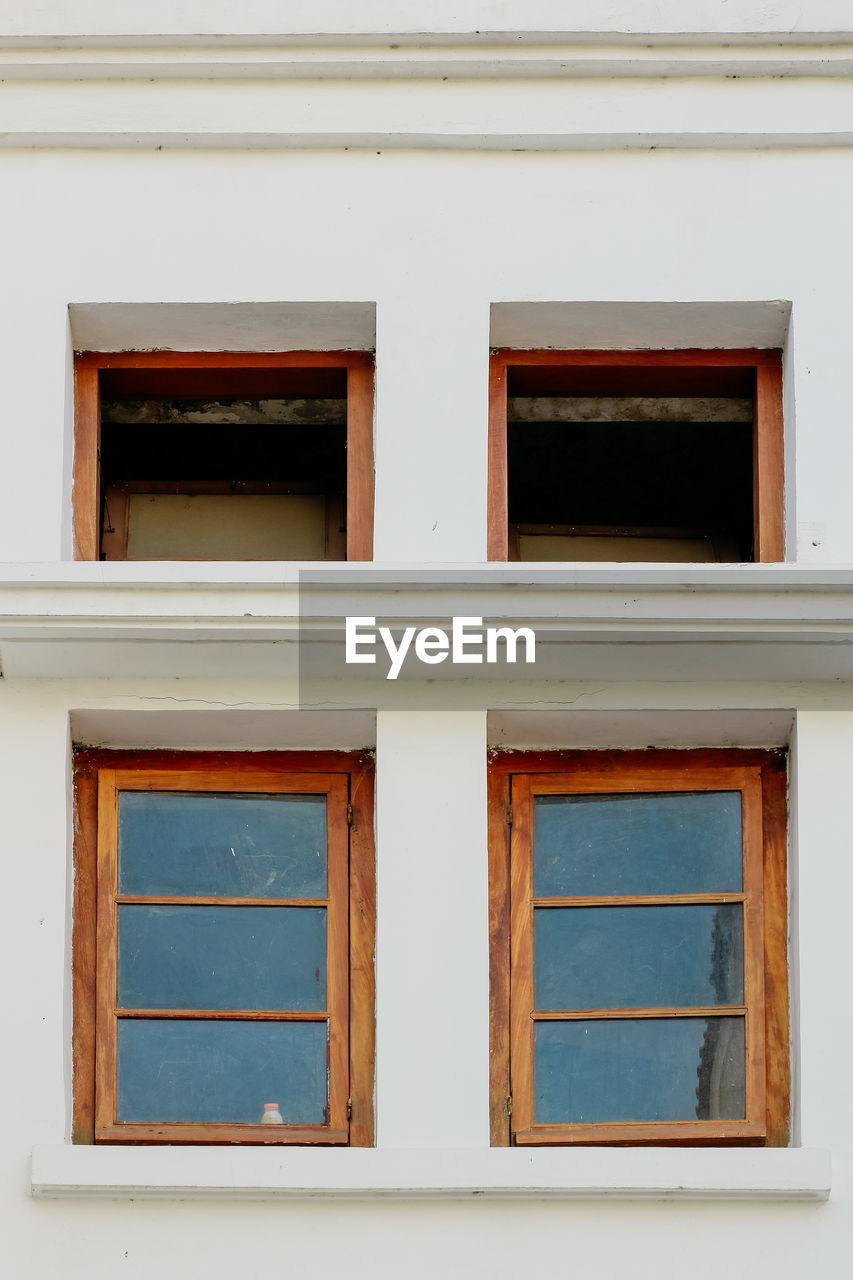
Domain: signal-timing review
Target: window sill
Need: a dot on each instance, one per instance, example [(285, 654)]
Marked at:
[(259, 1173)]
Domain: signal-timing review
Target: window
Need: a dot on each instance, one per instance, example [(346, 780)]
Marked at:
[(636, 455), (223, 943), (638, 948), (223, 456)]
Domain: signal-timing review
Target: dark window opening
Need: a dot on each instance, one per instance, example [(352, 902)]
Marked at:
[(631, 464), (215, 464)]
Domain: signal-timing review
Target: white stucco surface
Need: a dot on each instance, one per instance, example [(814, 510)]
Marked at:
[(97, 17), (433, 240), (425, 181), (432, 1007)]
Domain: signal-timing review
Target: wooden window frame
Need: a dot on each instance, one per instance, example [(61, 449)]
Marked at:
[(86, 492), (348, 777), (767, 437), (763, 775)]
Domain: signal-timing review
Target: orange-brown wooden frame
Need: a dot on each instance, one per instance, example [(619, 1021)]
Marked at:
[(346, 776), (768, 457), (763, 775), (86, 492)]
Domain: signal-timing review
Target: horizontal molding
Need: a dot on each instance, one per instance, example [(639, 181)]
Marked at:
[(395, 19), (258, 1173), (759, 600), (274, 575), (767, 623), (428, 141), (511, 55)]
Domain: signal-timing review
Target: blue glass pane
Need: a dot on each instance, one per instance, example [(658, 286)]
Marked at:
[(221, 957), (638, 957), (639, 1069), (684, 842), (170, 1070), (209, 845)]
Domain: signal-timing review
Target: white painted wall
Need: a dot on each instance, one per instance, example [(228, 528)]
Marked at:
[(432, 239), (432, 1029), (742, 219), (432, 1025), (126, 17)]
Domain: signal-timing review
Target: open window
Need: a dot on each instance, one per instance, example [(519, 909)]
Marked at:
[(223, 979), (638, 961), (223, 456), (636, 455)]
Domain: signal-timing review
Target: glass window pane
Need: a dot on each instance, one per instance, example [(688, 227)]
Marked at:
[(221, 957), (638, 957), (205, 844), (602, 845), (648, 1069), (171, 1070)]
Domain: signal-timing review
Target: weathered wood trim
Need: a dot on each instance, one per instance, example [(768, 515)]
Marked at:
[(760, 776), (357, 365), (347, 778), (768, 442), (360, 463), (498, 508), (768, 470), (362, 955), (616, 760), (236, 761), (84, 954), (200, 1134), (500, 1086), (86, 487), (774, 783), (685, 357)]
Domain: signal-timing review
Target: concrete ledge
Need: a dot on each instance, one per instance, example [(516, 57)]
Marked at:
[(262, 1173), (226, 599), (228, 326), (673, 622)]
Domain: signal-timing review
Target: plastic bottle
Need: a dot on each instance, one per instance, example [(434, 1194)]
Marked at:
[(271, 1115)]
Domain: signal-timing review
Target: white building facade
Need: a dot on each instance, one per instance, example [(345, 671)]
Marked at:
[(415, 186)]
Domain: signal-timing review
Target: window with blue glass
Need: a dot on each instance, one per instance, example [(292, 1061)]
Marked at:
[(223, 977), (646, 1000)]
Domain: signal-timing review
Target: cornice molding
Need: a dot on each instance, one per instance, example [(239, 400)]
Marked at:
[(761, 600), (752, 623), (427, 141), (495, 97), (517, 55)]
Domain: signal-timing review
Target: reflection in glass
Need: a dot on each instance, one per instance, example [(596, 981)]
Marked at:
[(202, 844), (603, 845), (170, 1070), (643, 1069), (638, 957), (175, 957)]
